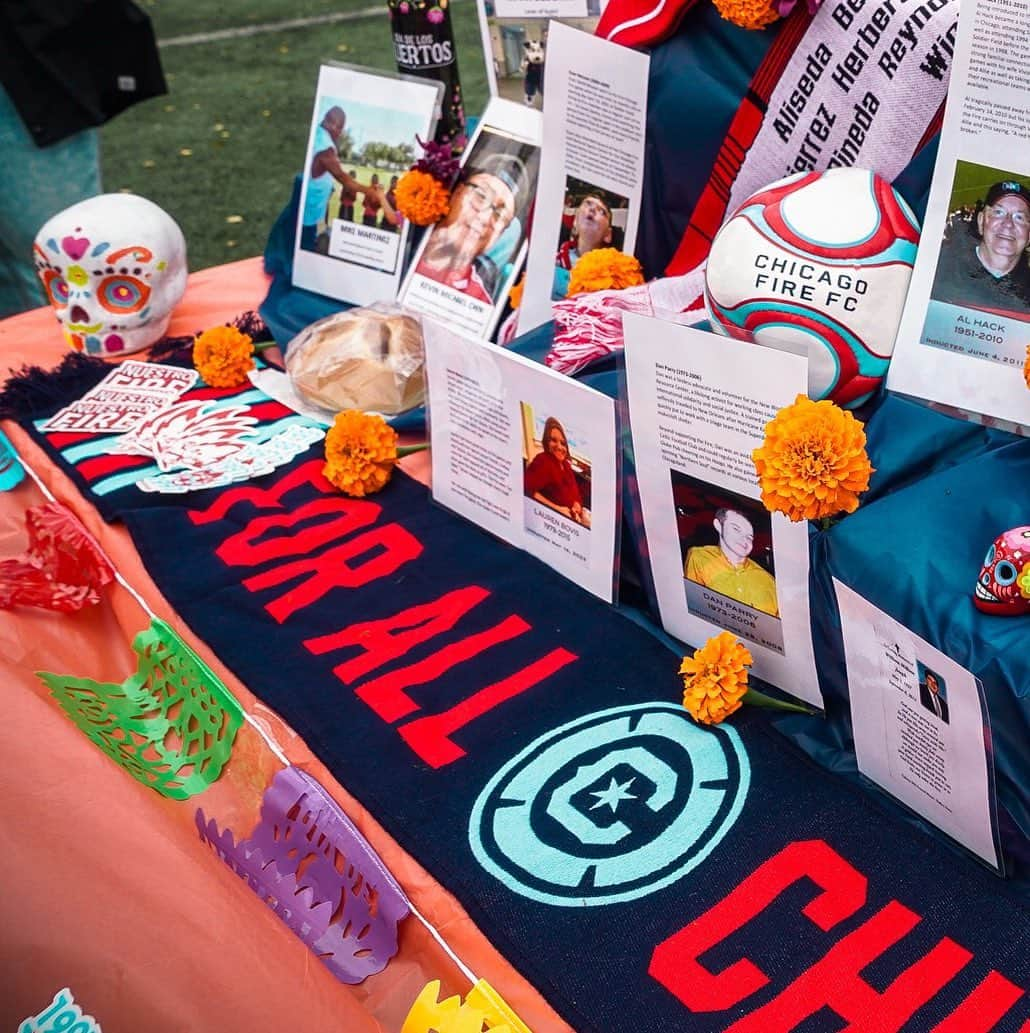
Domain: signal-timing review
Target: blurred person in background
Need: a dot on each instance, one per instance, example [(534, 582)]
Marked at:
[(66, 67)]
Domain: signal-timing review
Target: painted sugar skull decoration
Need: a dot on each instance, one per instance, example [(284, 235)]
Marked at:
[(1004, 583), (114, 267)]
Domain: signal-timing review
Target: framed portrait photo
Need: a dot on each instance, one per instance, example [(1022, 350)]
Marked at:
[(350, 241), (468, 261)]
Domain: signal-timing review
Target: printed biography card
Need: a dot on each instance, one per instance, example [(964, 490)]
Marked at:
[(469, 260), (350, 241), (698, 405), (592, 168), (526, 454), (966, 325), (516, 44), (920, 725)]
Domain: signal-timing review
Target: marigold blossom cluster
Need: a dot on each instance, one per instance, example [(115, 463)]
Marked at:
[(604, 268), (813, 462), (715, 679), (223, 356), (360, 453)]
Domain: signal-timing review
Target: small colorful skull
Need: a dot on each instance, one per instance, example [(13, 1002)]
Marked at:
[(1003, 586), (114, 267)]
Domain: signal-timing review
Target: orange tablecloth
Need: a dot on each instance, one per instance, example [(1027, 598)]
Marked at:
[(110, 891)]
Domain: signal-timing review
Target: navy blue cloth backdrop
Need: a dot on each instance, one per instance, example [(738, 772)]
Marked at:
[(525, 743), (944, 488)]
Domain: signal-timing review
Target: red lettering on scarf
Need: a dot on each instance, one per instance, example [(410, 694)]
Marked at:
[(675, 963), (835, 981), (268, 498), (386, 695), (373, 554), (244, 549), (386, 639), (391, 637), (430, 736), (979, 1012)]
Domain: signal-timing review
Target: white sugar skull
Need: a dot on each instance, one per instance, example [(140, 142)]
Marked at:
[(114, 267)]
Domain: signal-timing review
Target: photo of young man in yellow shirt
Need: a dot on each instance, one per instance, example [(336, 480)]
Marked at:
[(727, 568)]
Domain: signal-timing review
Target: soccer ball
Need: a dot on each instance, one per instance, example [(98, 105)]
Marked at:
[(818, 262)]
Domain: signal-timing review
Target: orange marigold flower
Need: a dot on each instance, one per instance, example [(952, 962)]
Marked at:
[(1026, 366), (360, 452), (223, 356), (421, 198), (604, 268), (813, 462), (515, 294), (748, 14), (715, 679)]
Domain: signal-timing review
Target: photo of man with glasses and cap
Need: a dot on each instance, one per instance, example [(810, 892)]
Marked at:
[(487, 211), (983, 262)]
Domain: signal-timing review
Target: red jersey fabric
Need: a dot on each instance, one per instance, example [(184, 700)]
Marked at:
[(466, 281), (552, 479)]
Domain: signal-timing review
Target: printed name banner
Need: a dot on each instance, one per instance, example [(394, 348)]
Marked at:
[(123, 399), (525, 453), (516, 44), (921, 725), (964, 332), (698, 407), (862, 89), (350, 241), (469, 260), (540, 8), (592, 168)]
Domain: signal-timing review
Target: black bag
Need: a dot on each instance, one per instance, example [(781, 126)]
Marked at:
[(71, 64)]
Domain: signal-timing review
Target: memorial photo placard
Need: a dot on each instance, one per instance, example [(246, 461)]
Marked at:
[(698, 406), (350, 241), (467, 262), (920, 724), (526, 454), (592, 168), (966, 324), (516, 43)]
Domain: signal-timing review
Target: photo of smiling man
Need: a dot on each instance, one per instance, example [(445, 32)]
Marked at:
[(727, 567), (470, 258), (979, 302), (483, 206), (729, 572), (983, 260)]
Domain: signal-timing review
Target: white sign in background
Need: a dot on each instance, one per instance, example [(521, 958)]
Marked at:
[(932, 758), (698, 407), (522, 9), (485, 405)]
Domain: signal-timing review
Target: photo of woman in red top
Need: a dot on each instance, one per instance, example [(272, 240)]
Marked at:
[(550, 478)]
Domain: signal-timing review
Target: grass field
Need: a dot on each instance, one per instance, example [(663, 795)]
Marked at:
[(972, 182), (220, 151)]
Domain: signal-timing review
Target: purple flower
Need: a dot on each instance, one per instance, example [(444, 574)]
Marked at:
[(439, 161)]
